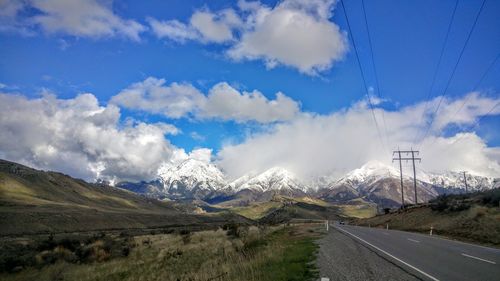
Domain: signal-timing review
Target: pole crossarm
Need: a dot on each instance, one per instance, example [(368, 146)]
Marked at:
[(409, 158)]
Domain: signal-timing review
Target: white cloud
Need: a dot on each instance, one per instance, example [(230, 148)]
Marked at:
[(81, 138), (227, 103), (337, 143), (222, 102), (81, 18), (197, 137), (152, 95), (172, 29), (201, 154), (203, 26), (215, 27), (10, 8), (294, 33)]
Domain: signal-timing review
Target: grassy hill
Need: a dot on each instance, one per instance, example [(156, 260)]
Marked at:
[(283, 208), (471, 217), (33, 201)]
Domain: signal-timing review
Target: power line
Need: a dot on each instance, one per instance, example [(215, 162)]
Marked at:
[(372, 54), (454, 70), (438, 64), (474, 89), (477, 84), (362, 74), (474, 125)]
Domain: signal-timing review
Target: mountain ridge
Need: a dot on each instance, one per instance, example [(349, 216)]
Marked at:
[(375, 181)]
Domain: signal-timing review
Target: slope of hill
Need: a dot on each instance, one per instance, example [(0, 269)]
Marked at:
[(33, 201), (470, 217)]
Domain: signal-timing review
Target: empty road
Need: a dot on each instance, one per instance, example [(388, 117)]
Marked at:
[(427, 257)]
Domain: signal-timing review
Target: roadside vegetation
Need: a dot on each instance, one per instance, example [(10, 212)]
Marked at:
[(231, 253), (473, 217)]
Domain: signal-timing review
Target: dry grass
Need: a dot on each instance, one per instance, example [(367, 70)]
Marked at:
[(252, 254), (358, 211), (257, 210)]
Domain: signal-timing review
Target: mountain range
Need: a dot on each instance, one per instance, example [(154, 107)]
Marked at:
[(375, 182)]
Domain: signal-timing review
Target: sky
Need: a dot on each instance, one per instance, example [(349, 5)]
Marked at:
[(116, 89)]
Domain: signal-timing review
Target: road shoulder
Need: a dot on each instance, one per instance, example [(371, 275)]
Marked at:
[(340, 257)]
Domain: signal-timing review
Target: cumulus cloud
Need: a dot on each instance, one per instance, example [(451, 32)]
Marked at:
[(152, 95), (334, 144), (81, 138), (222, 102), (82, 18), (204, 26), (294, 33)]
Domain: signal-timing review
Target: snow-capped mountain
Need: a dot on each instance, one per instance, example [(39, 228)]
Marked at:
[(374, 181), (191, 179), (273, 179), (371, 171), (276, 178), (381, 184), (456, 180)]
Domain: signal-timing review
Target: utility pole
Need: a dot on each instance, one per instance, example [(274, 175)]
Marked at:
[(465, 181), (413, 158), (401, 175)]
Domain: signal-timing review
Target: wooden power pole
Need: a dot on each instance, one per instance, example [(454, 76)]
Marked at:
[(465, 181), (412, 158)]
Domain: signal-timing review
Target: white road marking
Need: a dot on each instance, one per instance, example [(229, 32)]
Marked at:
[(473, 257), (403, 262), (413, 240), (385, 233), (325, 279)]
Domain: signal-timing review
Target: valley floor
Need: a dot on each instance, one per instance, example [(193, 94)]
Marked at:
[(237, 253)]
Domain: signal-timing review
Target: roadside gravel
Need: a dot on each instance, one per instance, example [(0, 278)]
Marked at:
[(342, 258)]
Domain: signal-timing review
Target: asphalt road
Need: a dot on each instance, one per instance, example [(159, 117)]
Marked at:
[(424, 256), (342, 258)]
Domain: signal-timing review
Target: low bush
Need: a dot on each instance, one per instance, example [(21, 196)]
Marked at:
[(41, 253)]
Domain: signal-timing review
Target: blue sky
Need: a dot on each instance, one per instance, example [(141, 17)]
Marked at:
[(38, 56)]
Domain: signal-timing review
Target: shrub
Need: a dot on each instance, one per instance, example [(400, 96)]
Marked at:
[(232, 229), (440, 203)]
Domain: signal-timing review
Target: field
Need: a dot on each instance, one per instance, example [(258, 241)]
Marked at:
[(237, 253)]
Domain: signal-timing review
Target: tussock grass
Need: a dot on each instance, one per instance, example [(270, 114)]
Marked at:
[(257, 210), (249, 253)]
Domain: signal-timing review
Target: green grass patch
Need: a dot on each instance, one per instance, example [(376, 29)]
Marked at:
[(297, 260)]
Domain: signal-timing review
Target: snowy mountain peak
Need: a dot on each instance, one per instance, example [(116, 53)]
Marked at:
[(191, 174), (276, 178), (456, 180), (372, 169)]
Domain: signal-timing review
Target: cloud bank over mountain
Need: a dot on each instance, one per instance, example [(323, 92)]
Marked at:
[(79, 137), (313, 144), (85, 139)]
